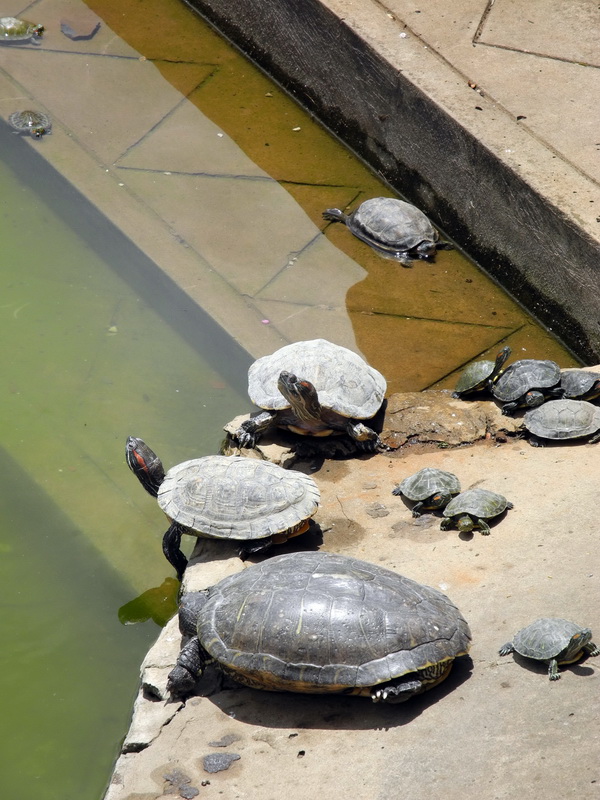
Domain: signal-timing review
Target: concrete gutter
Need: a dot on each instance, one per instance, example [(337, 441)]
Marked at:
[(526, 212)]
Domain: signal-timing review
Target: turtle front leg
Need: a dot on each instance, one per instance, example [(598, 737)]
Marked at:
[(189, 668), (170, 545), (483, 527), (252, 429), (553, 673), (591, 649), (366, 438)]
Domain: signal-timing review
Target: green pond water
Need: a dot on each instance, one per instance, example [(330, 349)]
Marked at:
[(89, 356)]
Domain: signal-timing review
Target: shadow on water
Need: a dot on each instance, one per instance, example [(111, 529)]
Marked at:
[(67, 662)]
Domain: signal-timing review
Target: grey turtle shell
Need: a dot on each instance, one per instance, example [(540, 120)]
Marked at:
[(323, 620), (34, 122), (480, 503), (15, 30), (523, 376), (563, 419), (392, 223), (545, 638), (232, 497), (426, 482), (480, 374), (345, 382), (579, 384)]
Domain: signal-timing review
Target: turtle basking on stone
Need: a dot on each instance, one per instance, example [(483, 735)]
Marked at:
[(480, 375), (319, 622), (429, 488), (553, 641), (471, 508), (314, 388), (393, 228), (33, 122), (579, 384), (527, 383), (225, 497), (19, 30), (563, 419)]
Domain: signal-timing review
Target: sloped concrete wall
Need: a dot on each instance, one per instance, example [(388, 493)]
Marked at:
[(416, 121)]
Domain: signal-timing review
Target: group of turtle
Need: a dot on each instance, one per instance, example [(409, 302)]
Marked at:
[(12, 30), (314, 621)]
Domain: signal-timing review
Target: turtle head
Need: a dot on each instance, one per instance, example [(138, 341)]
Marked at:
[(533, 399), (38, 30), (578, 642), (37, 131), (425, 249), (301, 395), (145, 464), (465, 524)]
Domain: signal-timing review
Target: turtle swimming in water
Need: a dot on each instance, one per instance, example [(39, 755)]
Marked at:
[(19, 30), (33, 122), (314, 388), (248, 500), (319, 622), (393, 228), (554, 641)]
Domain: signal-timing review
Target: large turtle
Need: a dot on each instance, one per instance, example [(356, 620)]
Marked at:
[(579, 384), (392, 227), (528, 382), (471, 508), (314, 388), (481, 375), (319, 622), (429, 488), (225, 497), (563, 419), (19, 30), (35, 123), (554, 641)]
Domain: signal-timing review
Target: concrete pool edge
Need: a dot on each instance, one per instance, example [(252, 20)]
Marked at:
[(521, 210)]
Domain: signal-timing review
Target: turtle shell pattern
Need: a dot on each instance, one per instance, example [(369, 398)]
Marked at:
[(577, 382), (545, 638), (30, 121), (345, 382), (232, 497), (392, 223), (473, 376), (428, 481), (320, 622), (14, 30), (563, 419), (522, 376), (480, 503)]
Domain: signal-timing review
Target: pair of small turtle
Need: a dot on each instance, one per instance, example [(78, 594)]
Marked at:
[(526, 383), (433, 489), (393, 228)]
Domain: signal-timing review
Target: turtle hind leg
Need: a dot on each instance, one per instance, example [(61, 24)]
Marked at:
[(397, 693), (182, 679), (506, 649), (170, 545)]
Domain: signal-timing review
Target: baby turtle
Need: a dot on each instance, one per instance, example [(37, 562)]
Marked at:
[(554, 641), (33, 122), (563, 419), (430, 488), (314, 388), (19, 30), (578, 384), (320, 622), (471, 508), (528, 382), (481, 375), (225, 497), (393, 228)]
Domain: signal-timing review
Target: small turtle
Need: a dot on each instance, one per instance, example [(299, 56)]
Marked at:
[(32, 122), (320, 622), (481, 375), (554, 641), (563, 419), (314, 388), (471, 508), (19, 30), (393, 228), (225, 497), (578, 384), (431, 488), (528, 382)]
